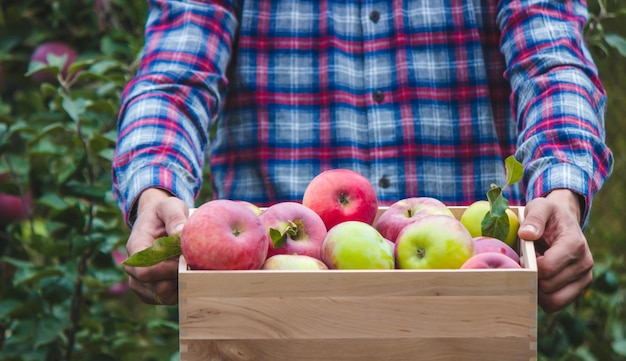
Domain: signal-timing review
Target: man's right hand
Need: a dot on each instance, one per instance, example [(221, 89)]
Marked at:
[(159, 214)]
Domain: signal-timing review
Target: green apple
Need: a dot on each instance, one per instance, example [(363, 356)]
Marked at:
[(356, 245), (433, 242), (473, 216)]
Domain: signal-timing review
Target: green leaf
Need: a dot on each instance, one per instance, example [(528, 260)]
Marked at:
[(8, 306), (514, 170), (53, 201), (496, 227), (162, 249), (76, 108), (48, 329), (617, 42), (279, 239), (619, 346), (37, 66), (496, 222)]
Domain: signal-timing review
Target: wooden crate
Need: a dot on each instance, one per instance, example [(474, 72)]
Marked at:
[(341, 315)]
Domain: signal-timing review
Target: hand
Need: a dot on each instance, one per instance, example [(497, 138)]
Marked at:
[(158, 215), (564, 268)]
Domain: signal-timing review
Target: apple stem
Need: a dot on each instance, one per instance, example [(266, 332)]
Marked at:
[(344, 199), (421, 253)]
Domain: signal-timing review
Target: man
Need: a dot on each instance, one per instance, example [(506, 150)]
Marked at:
[(425, 98)]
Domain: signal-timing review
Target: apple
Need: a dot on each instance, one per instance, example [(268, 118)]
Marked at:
[(473, 216), (58, 48), (433, 242), (406, 211), (256, 209), (293, 262), (224, 234), (483, 244), (490, 260), (293, 228), (13, 208), (339, 195), (356, 245)]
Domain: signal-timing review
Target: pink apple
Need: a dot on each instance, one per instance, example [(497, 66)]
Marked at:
[(490, 260), (13, 208), (256, 209), (433, 242), (356, 245), (293, 262), (293, 229), (483, 244), (406, 211), (340, 195), (224, 235), (57, 48)]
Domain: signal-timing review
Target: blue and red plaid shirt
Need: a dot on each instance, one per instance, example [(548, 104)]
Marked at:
[(425, 98)]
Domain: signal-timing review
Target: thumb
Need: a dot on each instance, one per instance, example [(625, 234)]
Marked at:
[(536, 215), (173, 212)]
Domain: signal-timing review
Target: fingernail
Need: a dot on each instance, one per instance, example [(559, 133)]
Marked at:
[(529, 228), (178, 228)]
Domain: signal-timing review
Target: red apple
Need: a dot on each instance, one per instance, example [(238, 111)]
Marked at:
[(13, 208), (433, 242), (340, 195), (483, 244), (293, 262), (490, 260), (224, 235), (58, 48), (293, 229), (406, 211)]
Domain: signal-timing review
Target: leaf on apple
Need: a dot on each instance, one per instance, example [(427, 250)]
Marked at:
[(162, 249), (279, 238), (496, 222)]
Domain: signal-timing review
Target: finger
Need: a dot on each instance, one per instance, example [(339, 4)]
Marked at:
[(571, 273), (569, 251), (166, 270), (536, 214), (174, 213), (555, 301), (157, 293)]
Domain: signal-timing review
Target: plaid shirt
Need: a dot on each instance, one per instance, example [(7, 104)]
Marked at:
[(425, 98)]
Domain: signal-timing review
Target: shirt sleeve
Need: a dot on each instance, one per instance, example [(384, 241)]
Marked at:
[(168, 107), (558, 100)]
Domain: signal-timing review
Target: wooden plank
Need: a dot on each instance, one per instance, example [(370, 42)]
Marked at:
[(357, 317), (381, 349)]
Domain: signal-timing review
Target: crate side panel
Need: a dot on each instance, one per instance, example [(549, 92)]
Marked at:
[(337, 283), (388, 349), (357, 317)]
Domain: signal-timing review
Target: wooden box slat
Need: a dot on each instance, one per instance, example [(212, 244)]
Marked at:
[(360, 314)]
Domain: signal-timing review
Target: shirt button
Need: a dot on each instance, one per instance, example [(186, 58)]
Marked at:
[(374, 16), (384, 182), (378, 96)]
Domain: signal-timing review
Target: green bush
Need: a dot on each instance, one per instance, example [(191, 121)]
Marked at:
[(56, 146)]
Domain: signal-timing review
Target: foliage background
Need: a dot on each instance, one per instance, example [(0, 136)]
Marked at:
[(56, 142)]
